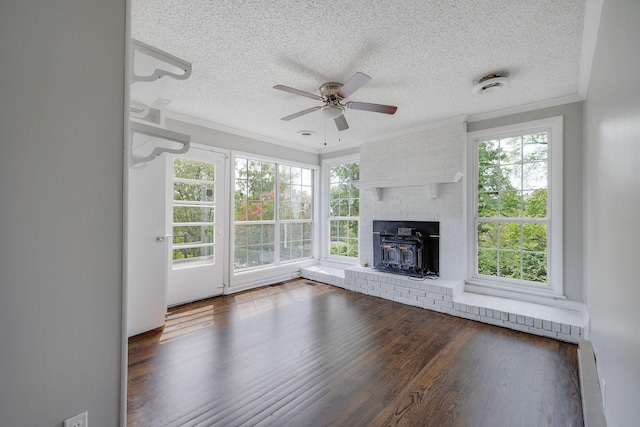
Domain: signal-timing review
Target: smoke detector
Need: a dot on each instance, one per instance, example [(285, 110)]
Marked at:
[(490, 83)]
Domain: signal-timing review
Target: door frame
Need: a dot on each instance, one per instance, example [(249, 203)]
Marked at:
[(224, 203)]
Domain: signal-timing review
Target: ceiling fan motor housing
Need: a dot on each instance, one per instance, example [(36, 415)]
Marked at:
[(329, 91)]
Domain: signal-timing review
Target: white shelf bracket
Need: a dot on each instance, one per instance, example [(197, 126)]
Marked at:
[(162, 56), (432, 190), (160, 134)]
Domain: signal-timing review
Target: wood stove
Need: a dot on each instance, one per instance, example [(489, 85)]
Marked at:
[(406, 247)]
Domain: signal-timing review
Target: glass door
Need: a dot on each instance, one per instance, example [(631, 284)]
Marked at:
[(196, 226)]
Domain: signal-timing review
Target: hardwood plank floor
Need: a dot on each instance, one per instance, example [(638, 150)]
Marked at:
[(303, 353)]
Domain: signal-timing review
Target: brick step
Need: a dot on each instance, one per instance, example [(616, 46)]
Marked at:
[(448, 296)]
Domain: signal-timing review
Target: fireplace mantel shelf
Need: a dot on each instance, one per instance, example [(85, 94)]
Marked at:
[(431, 183)]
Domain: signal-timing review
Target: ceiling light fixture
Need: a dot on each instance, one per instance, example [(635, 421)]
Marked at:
[(490, 83), (332, 111)]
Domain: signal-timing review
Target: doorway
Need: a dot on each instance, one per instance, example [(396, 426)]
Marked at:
[(195, 226)]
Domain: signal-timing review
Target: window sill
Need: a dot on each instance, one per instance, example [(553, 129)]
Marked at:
[(526, 293)]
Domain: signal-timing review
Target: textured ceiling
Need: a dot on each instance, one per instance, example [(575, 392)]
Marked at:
[(423, 57)]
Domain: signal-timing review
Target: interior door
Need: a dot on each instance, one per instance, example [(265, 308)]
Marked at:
[(195, 225)]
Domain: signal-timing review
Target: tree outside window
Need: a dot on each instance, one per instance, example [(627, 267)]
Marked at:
[(344, 209), (512, 207), (273, 213)]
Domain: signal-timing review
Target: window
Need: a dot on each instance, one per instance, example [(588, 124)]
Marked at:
[(193, 212), (344, 209), (273, 213), (516, 218)]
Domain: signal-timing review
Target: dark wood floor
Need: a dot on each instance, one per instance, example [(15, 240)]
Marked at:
[(303, 353)]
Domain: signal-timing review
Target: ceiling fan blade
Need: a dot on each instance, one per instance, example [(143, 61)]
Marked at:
[(341, 122), (353, 84), (301, 113), (298, 92), (376, 108)]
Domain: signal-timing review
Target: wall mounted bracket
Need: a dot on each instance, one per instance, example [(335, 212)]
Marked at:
[(156, 133), (162, 56)]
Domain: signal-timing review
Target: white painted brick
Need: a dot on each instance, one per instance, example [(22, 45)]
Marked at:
[(393, 293), (576, 331), (475, 310), (497, 314), (537, 323), (565, 329), (427, 300), (504, 316), (556, 327), (546, 325), (520, 319), (450, 311), (544, 333), (470, 316), (512, 317), (492, 321), (417, 292), (432, 307), (456, 306), (483, 312), (444, 304), (517, 327), (567, 338)]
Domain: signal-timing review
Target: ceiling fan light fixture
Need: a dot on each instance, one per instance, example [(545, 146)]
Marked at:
[(332, 111)]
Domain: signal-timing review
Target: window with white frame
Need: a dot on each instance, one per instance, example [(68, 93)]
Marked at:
[(516, 207), (273, 213), (344, 209)]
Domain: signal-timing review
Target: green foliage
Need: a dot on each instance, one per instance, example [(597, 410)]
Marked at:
[(344, 202), (256, 187), (512, 179), (194, 197), (344, 197)]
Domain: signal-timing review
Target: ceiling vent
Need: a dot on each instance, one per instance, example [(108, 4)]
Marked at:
[(490, 83)]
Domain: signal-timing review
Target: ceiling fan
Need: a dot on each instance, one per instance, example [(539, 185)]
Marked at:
[(332, 94)]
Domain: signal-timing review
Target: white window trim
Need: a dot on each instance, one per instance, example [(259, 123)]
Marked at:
[(324, 211), (255, 274), (505, 287)]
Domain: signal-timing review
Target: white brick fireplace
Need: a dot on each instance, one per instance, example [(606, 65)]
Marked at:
[(399, 177), (410, 160)]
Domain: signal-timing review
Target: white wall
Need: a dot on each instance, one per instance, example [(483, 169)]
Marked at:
[(612, 206), (433, 151), (61, 143)]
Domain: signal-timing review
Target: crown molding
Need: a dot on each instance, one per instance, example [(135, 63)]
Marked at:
[(173, 115), (526, 108)]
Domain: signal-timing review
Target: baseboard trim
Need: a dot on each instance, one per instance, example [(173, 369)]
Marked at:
[(592, 407)]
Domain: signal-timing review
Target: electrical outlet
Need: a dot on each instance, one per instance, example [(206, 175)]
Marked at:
[(79, 420)]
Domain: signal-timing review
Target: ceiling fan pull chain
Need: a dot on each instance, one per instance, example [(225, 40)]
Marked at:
[(325, 131)]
